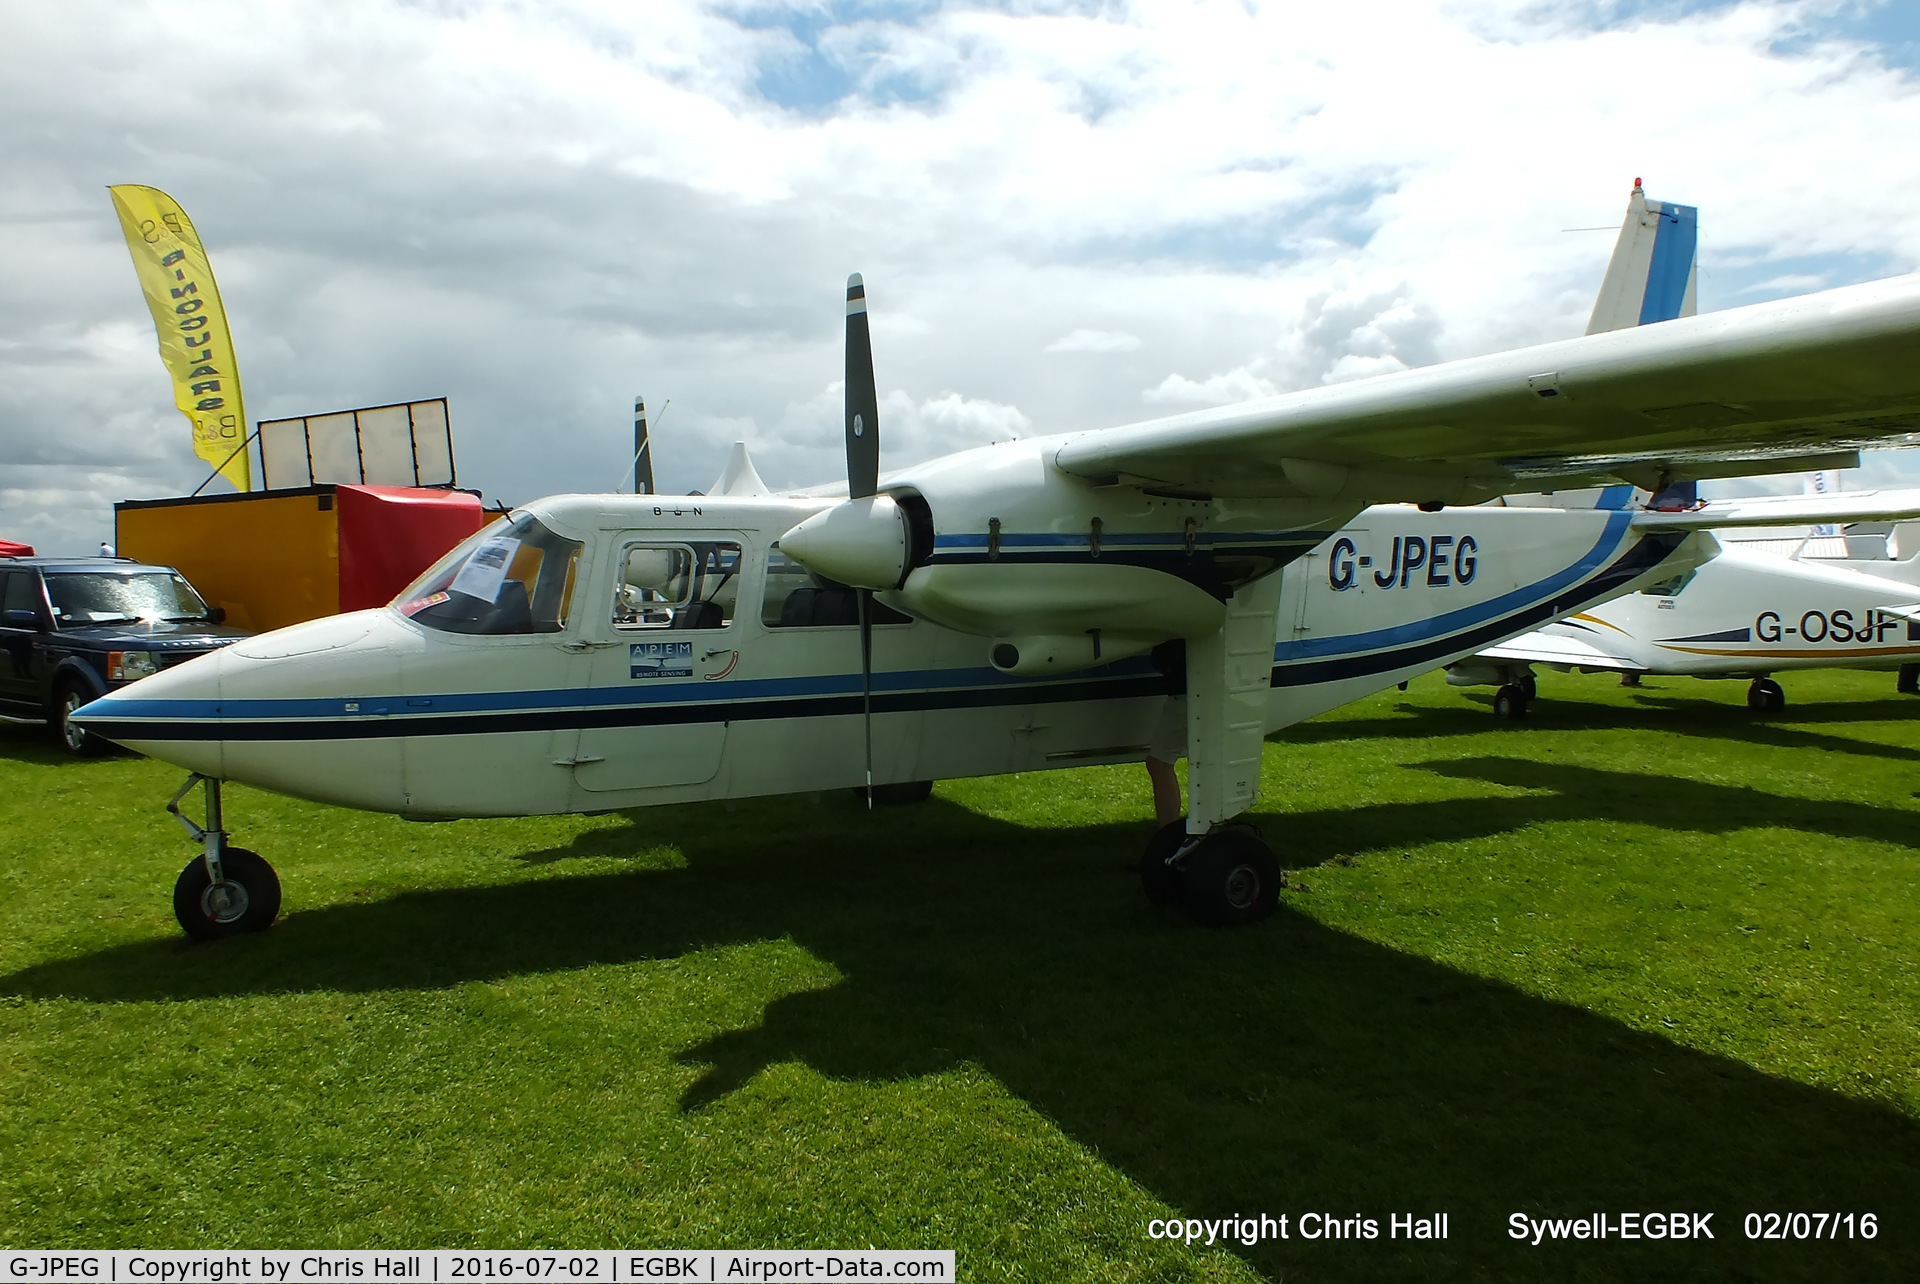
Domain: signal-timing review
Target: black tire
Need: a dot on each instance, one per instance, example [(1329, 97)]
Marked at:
[(250, 902), (1231, 879), (1765, 696), (1908, 683), (67, 698), (1164, 884), (1528, 687), (1510, 703), (904, 794)]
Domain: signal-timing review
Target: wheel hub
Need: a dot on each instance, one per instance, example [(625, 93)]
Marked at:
[(1243, 886), (225, 901)]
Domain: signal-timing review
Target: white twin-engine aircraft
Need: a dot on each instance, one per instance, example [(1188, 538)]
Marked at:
[(1011, 608)]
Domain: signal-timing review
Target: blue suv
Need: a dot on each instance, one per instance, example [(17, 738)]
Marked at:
[(72, 630)]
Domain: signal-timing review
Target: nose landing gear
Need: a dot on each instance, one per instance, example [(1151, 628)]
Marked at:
[(227, 889)]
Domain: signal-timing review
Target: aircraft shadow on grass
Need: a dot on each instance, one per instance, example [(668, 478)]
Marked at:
[(1674, 715), (1284, 1068), (1571, 792)]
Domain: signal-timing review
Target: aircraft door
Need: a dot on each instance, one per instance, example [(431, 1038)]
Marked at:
[(656, 712), (490, 680)]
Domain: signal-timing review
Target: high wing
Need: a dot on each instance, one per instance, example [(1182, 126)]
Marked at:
[(1773, 387)]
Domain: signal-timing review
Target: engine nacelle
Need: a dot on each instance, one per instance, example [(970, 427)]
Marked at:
[(1066, 653)]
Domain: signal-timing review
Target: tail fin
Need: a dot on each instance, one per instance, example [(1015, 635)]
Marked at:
[(1652, 274)]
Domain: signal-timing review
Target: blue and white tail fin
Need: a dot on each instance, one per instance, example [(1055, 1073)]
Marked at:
[(1652, 276)]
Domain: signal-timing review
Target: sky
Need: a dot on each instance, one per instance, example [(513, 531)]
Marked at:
[(1068, 214)]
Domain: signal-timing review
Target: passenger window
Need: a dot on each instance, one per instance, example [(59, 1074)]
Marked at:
[(695, 585), (796, 598), (1669, 588), (17, 594)]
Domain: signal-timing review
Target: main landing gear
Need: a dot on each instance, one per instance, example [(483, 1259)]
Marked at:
[(1227, 876), (228, 889), (1765, 696)]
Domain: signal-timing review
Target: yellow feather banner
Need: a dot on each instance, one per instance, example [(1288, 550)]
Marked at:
[(194, 342)]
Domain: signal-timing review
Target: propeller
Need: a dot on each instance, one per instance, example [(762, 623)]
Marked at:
[(863, 403), (863, 476)]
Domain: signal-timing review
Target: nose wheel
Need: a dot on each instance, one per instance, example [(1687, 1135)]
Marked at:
[(226, 890)]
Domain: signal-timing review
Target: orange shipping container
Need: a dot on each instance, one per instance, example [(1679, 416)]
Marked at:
[(274, 558)]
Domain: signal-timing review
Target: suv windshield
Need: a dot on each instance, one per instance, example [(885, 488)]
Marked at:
[(512, 577), (109, 597)]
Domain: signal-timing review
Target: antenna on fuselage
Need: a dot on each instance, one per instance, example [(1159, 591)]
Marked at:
[(641, 468)]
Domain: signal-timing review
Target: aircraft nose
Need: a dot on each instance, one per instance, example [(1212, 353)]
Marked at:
[(173, 716)]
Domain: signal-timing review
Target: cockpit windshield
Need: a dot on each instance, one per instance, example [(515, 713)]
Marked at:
[(513, 577)]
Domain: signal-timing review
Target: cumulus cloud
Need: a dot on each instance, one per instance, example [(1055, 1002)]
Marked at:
[(1094, 341), (540, 211)]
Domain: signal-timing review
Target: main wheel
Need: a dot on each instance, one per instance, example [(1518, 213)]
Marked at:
[(1510, 703), (1163, 883), (1765, 696), (1528, 686), (1232, 878), (247, 898), (67, 701), (1908, 682)]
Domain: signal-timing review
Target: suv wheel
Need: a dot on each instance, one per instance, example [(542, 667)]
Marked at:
[(66, 702)]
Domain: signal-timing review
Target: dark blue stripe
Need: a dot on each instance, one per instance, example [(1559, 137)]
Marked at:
[(906, 681), (1113, 682), (1174, 539), (1729, 635)]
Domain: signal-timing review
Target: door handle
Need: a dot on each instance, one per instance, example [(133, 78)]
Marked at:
[(580, 761), (579, 645)]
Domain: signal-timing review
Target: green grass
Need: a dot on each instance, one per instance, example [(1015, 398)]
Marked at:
[(1646, 952)]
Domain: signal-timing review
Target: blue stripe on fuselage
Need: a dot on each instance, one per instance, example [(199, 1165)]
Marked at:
[(401, 707)]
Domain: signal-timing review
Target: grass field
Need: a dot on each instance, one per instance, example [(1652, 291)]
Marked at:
[(1646, 952)]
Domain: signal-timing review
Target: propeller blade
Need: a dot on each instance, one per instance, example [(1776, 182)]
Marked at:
[(863, 403), (642, 458)]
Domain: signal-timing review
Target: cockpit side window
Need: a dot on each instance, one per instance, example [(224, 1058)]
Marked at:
[(515, 577), (692, 585)]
